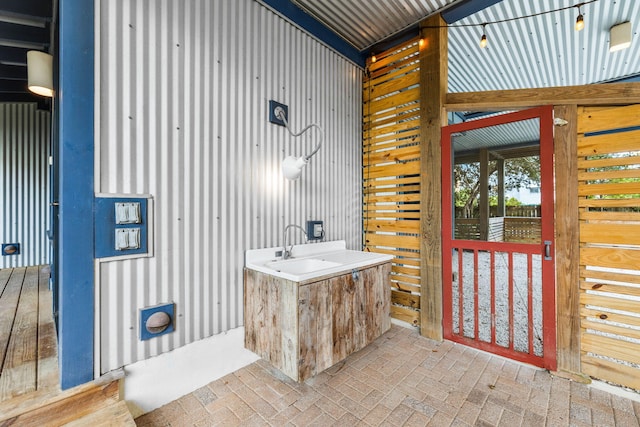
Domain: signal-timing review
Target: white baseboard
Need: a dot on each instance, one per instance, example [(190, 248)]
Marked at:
[(154, 382)]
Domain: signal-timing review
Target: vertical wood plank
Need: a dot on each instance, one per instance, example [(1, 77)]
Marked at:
[(567, 240), (324, 350), (384, 299), (361, 308), (433, 89), (378, 301), (307, 303), (342, 297), (288, 327)]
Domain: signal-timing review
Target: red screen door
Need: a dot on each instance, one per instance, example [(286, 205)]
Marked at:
[(498, 235)]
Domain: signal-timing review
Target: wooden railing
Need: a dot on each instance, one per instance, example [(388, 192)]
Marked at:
[(507, 229)]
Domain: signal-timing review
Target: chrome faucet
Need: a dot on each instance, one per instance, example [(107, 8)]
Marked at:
[(287, 253)]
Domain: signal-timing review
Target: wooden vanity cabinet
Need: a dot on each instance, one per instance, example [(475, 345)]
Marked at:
[(304, 328)]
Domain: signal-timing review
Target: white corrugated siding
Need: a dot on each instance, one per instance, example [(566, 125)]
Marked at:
[(183, 94), (24, 183)]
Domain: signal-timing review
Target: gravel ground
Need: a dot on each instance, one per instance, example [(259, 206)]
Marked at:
[(502, 299)]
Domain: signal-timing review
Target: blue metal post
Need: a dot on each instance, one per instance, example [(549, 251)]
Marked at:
[(76, 155)]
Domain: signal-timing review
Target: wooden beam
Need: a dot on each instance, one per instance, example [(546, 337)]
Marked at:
[(501, 189), (598, 94), (433, 89), (567, 241), (484, 194)]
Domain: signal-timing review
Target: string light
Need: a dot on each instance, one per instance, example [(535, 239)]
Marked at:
[(483, 39), (580, 20)]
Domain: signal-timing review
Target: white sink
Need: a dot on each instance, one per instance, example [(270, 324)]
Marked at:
[(311, 260), (300, 266)]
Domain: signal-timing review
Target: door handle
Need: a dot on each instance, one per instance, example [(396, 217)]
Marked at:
[(547, 250)]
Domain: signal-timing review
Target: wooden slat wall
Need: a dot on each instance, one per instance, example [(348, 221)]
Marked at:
[(391, 171), (609, 201)]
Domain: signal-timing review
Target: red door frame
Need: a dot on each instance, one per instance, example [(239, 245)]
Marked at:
[(545, 114)]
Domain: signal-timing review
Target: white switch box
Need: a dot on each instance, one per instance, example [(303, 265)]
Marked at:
[(128, 213), (127, 239), (317, 230)]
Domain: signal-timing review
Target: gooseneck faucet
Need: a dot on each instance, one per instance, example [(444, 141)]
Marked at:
[(287, 253)]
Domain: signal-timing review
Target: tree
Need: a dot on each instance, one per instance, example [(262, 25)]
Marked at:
[(519, 172)]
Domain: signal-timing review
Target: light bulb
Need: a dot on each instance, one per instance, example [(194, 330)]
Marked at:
[(373, 59), (579, 23), (483, 41)]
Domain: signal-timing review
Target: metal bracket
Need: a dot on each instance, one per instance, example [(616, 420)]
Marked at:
[(547, 250), (355, 274)]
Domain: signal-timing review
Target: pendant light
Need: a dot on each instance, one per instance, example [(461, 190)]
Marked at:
[(40, 73)]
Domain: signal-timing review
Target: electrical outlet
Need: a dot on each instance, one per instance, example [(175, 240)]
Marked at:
[(275, 109), (315, 230)]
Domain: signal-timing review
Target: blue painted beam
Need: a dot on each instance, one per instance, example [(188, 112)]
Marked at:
[(75, 239), (393, 41), (466, 8), (627, 79), (301, 18)]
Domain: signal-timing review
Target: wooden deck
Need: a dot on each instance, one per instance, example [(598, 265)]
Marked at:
[(30, 393), (28, 345)]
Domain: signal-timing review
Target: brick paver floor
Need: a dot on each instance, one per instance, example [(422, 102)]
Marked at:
[(402, 379)]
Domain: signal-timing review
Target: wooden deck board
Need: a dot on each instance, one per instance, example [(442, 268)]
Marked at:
[(28, 347), (48, 373), (8, 307)]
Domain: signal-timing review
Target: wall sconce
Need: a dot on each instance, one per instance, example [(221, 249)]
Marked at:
[(620, 36), (292, 166), (40, 73)]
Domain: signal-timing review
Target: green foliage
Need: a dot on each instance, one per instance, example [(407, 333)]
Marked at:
[(518, 173)]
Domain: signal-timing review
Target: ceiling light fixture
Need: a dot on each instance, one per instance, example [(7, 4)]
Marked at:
[(620, 37), (483, 39), (291, 165), (40, 73), (580, 19), (373, 59)]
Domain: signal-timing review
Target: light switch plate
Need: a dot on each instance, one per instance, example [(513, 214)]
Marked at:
[(127, 239), (128, 213)]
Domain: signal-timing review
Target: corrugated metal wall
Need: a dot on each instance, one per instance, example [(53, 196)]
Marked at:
[(184, 88), (24, 183)]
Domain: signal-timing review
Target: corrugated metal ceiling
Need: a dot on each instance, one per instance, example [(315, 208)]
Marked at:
[(540, 51), (364, 22)]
